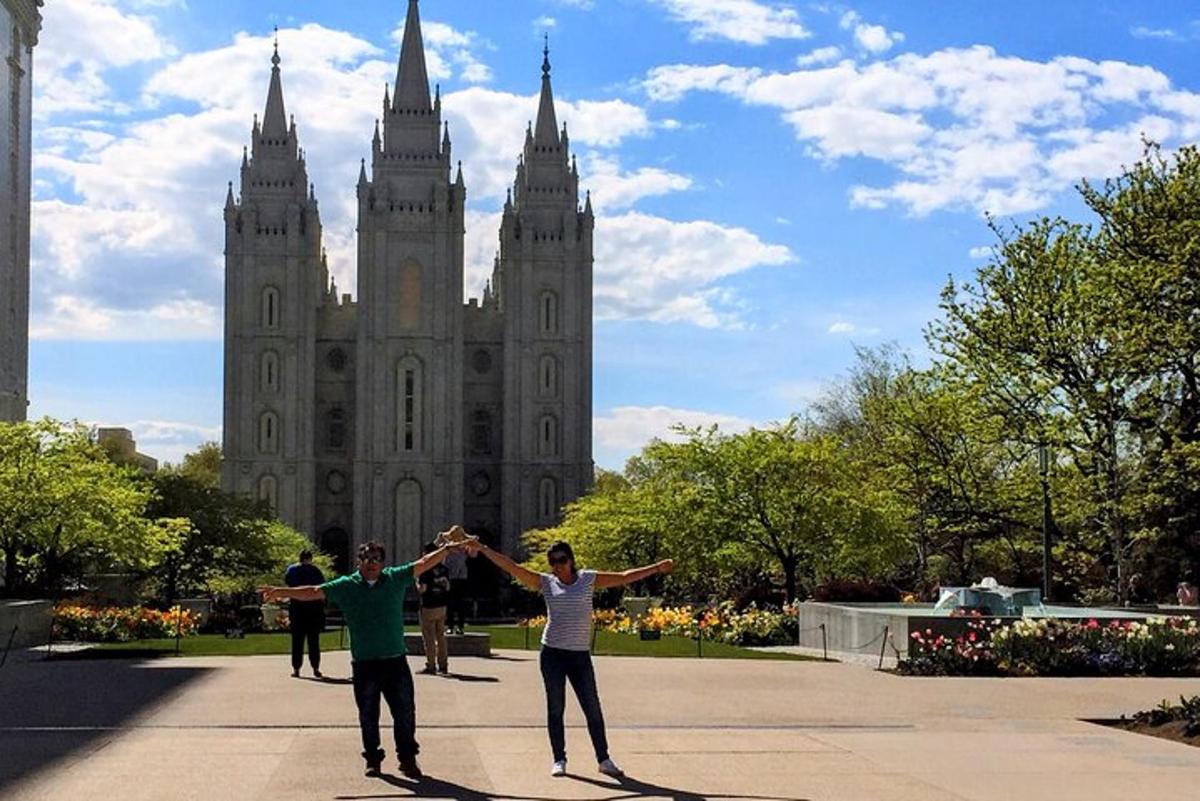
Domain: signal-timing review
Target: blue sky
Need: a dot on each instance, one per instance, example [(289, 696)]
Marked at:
[(775, 182)]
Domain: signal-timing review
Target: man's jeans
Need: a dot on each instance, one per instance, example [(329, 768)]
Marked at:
[(391, 679), (307, 628), (559, 666)]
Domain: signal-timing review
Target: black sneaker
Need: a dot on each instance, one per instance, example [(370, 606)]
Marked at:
[(410, 768), (374, 764)]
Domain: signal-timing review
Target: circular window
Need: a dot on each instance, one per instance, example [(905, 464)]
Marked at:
[(480, 484), (481, 360), (336, 360), (335, 482)]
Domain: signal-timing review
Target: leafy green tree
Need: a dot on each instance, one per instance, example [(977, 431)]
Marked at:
[(65, 506), (203, 465)]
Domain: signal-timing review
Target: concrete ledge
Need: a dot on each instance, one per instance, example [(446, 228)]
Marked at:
[(30, 620), (471, 644)]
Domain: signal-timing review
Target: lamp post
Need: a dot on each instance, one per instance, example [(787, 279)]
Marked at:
[(1044, 472)]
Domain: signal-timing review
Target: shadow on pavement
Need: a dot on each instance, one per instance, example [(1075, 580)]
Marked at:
[(52, 708), (629, 787), (432, 787), (471, 678)]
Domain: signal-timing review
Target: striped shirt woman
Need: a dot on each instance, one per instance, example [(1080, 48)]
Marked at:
[(565, 654)]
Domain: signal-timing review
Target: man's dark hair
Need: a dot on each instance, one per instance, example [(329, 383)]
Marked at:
[(370, 548), (563, 548), (306, 555)]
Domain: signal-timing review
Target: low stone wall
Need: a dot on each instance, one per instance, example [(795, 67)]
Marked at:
[(25, 623), (470, 644), (853, 634)]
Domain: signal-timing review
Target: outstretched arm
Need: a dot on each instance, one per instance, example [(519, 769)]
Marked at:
[(434, 558), (605, 580), (521, 573), (292, 593)]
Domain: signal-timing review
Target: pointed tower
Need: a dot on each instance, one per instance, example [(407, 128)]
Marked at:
[(408, 454), (543, 286), (22, 21), (274, 281)]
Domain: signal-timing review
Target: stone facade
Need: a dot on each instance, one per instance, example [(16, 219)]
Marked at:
[(19, 27), (393, 415)]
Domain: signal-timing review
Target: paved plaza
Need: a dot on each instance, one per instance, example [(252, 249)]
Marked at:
[(228, 729)]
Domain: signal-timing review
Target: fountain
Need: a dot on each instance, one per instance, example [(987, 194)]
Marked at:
[(991, 598)]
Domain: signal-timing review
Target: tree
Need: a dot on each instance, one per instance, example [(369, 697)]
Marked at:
[(65, 505), (785, 494), (203, 465)]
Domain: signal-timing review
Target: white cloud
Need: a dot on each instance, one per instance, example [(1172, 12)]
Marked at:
[(981, 252), (1144, 32), (613, 189), (167, 441), (744, 21), (544, 23), (652, 268), (628, 428), (822, 55), (874, 39), (842, 327), (447, 48), (81, 41), (962, 127)]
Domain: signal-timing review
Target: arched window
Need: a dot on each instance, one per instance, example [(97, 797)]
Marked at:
[(270, 307), (268, 433), (410, 524), (547, 500), (481, 432), (548, 436), (409, 408), (548, 376), (335, 429), (548, 313), (410, 295), (268, 491), (269, 372)]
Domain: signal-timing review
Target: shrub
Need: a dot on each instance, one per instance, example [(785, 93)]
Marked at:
[(856, 591)]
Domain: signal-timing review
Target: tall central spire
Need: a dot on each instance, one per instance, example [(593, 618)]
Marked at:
[(412, 81), (275, 125), (546, 131)]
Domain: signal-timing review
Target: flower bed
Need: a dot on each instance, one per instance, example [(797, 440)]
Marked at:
[(722, 623), (1052, 647), (121, 624)]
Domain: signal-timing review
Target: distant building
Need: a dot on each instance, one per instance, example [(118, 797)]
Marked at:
[(120, 445), (20, 23), (394, 415)]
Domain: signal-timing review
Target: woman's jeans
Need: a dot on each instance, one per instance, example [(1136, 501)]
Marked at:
[(558, 667), (392, 679)]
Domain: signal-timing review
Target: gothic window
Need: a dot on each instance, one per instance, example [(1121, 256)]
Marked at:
[(548, 376), (409, 311), (269, 372), (481, 433), (548, 313), (336, 360), (548, 436), (409, 521), (409, 411), (547, 499), (335, 429), (270, 307), (268, 433), (268, 491), (336, 543)]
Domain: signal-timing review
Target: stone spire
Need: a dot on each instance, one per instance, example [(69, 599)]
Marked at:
[(546, 131), (275, 123), (412, 80)]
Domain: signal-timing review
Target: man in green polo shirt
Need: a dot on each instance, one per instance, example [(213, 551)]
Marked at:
[(372, 600)]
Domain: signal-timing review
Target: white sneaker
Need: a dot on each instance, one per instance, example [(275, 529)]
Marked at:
[(610, 768), (559, 768)]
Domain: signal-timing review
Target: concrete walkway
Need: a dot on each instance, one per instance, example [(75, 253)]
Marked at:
[(227, 729)]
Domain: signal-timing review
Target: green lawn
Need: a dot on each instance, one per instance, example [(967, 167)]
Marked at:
[(507, 637)]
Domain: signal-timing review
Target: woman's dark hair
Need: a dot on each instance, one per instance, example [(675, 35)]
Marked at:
[(371, 547), (563, 548)]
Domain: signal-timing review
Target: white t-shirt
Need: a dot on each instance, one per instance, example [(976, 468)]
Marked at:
[(568, 611)]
